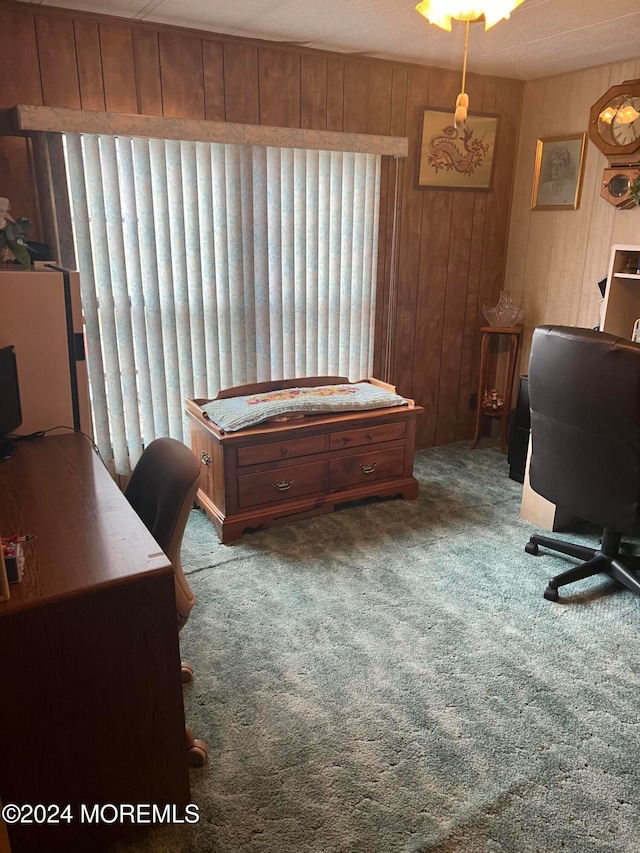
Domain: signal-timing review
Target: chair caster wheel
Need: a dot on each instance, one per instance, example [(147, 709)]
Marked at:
[(531, 548), (551, 594), (187, 672), (197, 750)]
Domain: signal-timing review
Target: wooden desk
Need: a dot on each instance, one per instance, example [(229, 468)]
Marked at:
[(91, 708)]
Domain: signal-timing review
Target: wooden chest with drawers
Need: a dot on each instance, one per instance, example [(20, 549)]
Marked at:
[(287, 470)]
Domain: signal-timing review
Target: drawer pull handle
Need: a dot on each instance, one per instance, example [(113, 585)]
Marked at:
[(368, 467), (283, 485), (206, 459)]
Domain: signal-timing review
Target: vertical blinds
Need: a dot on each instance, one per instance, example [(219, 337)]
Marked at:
[(205, 266)]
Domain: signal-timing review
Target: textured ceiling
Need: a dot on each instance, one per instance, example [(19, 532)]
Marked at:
[(542, 37)]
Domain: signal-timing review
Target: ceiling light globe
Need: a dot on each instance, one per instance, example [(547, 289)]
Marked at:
[(441, 12)]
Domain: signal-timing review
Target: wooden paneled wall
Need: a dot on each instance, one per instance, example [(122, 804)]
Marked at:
[(556, 258), (451, 245)]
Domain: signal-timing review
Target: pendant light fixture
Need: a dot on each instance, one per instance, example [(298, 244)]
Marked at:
[(442, 12)]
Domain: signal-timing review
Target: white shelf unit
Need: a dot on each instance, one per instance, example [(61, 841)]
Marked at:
[(622, 296)]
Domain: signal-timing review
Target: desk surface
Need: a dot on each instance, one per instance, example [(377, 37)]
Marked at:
[(102, 541), (90, 649)]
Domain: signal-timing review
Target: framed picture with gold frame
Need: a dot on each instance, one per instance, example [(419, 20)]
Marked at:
[(557, 177), (451, 158)]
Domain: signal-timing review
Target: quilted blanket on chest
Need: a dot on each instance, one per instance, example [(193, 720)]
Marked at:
[(234, 413)]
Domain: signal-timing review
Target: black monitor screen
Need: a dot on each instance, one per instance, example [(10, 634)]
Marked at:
[(10, 411)]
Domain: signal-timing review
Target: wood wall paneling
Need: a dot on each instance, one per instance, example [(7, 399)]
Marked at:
[(459, 251), (87, 39), (118, 69), (58, 61), (475, 87), (182, 76), (63, 248), (425, 357), (378, 100), (367, 109), (213, 63), (313, 92), (595, 216), (408, 311), (503, 98), (470, 356), (436, 207), (335, 94), (472, 319), (46, 201), (449, 242), (398, 117), (367, 97), (19, 60), (521, 196), (146, 59), (496, 212), (568, 253), (20, 76), (15, 163), (599, 239), (537, 268), (355, 90), (241, 83), (279, 87), (383, 269), (392, 176)]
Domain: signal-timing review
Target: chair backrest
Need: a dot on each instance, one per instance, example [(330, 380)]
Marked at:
[(162, 489), (584, 393)]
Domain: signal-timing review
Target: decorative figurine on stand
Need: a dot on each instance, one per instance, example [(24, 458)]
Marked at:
[(492, 401)]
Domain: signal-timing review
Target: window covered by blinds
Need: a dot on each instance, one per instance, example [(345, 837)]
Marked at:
[(205, 266)]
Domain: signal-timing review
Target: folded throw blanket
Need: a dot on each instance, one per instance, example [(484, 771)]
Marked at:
[(234, 413)]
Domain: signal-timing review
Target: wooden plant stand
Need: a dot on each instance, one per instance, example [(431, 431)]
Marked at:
[(488, 334)]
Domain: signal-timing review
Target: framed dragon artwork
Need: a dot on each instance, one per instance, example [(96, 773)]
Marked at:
[(457, 158)]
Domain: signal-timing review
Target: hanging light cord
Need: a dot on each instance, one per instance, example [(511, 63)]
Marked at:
[(464, 61), (462, 101)]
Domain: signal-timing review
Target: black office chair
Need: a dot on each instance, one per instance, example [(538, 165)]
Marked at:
[(584, 391), (162, 489)]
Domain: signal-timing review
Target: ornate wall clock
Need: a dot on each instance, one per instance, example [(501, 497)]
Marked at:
[(614, 127), (614, 123)]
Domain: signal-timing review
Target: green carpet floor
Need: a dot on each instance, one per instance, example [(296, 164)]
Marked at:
[(389, 679)]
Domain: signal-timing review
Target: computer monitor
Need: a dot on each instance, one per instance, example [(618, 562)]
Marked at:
[(10, 411)]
